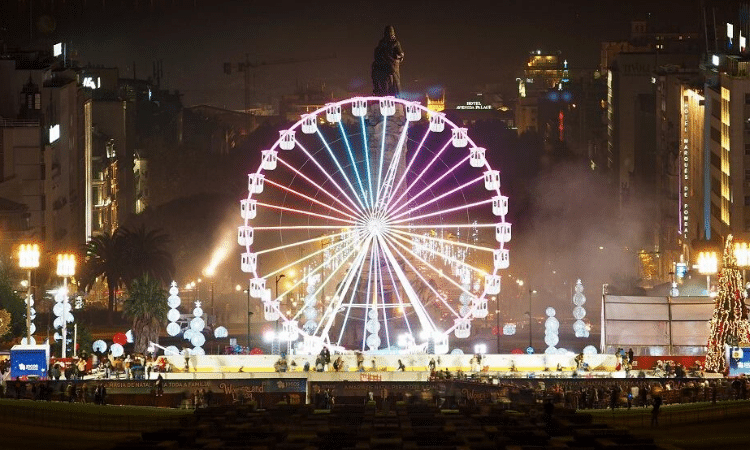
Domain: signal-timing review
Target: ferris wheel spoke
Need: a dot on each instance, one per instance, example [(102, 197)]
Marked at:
[(434, 199), (320, 188), (424, 319), (450, 279), (307, 213), (354, 164), (321, 266), (439, 226), (438, 295), (367, 158), (398, 295), (358, 205), (429, 186), (306, 197), (381, 278), (295, 244), (441, 212), (340, 300), (330, 310), (341, 170), (416, 180), (440, 254), (351, 241), (390, 173), (382, 153), (443, 241), (406, 170)]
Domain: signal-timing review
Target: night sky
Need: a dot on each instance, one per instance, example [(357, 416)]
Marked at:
[(457, 45)]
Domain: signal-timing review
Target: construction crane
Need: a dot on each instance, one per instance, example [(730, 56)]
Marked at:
[(247, 66)]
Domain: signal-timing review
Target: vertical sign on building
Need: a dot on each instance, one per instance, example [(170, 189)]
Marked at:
[(685, 168)]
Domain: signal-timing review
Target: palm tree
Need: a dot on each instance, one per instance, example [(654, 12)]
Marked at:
[(146, 305), (103, 257), (144, 253)]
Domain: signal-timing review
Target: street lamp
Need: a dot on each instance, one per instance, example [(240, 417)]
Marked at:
[(66, 267), (276, 296), (708, 264), (531, 291), (28, 258)]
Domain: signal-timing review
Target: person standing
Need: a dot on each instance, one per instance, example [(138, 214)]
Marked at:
[(655, 410), (401, 366), (159, 386)]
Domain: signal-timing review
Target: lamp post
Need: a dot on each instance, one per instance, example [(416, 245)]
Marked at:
[(531, 291), (66, 267), (28, 258), (497, 325), (249, 313), (708, 264)]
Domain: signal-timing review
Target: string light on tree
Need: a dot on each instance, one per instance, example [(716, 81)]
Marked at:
[(729, 324)]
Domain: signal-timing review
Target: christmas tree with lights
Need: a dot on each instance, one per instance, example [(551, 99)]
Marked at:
[(729, 323)]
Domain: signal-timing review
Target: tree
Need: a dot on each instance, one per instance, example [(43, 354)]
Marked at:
[(103, 257), (14, 305), (144, 253), (147, 306), (729, 324)]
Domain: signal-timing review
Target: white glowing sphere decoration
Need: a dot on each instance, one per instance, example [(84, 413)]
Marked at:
[(173, 329), (99, 346), (589, 350), (220, 333), (171, 351), (509, 329), (116, 350)]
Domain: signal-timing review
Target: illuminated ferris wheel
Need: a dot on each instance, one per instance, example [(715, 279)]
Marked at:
[(374, 224)]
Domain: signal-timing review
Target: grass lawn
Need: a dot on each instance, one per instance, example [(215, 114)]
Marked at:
[(25, 424), (691, 426)]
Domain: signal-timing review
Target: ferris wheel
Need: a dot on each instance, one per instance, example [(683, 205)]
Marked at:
[(374, 224)]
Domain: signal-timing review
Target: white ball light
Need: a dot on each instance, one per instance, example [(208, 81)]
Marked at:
[(188, 334), (171, 351), (197, 312), (509, 329), (197, 351), (197, 324), (198, 339), (551, 340), (173, 315), (550, 311), (129, 336), (220, 333), (117, 350), (173, 329), (173, 301), (589, 350), (579, 312), (24, 342), (99, 346)]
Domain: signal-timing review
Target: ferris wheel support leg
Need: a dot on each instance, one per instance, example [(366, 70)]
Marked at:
[(408, 290)]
